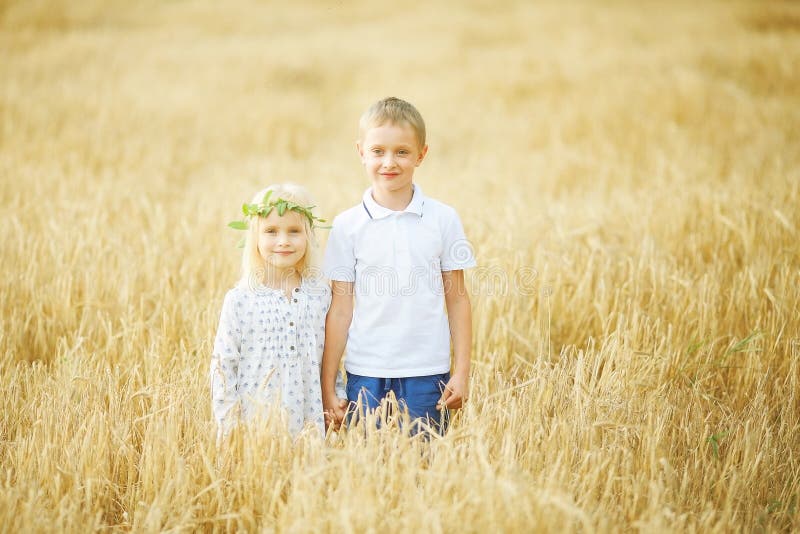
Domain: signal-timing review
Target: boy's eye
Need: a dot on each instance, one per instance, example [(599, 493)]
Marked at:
[(377, 151), (402, 152)]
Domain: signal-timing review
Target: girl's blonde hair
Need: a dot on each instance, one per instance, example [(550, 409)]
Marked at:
[(253, 264)]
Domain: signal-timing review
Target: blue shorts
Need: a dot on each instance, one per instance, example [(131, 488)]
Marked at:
[(417, 394)]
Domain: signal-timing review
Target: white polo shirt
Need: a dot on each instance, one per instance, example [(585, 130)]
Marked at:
[(396, 259)]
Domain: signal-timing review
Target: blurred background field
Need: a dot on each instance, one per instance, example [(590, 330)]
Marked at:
[(628, 174)]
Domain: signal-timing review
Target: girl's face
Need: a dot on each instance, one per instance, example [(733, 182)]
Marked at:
[(282, 241)]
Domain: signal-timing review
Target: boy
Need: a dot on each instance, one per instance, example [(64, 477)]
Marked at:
[(401, 256)]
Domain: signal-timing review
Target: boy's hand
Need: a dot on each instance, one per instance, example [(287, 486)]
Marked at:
[(334, 409), (455, 393), (337, 323)]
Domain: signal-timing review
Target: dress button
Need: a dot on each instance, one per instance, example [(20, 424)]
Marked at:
[(291, 323), (297, 290), (295, 300), (291, 348)]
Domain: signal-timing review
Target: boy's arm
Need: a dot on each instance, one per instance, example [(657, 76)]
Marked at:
[(459, 314), (337, 324)]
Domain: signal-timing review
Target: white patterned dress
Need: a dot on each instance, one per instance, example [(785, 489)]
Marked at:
[(269, 347)]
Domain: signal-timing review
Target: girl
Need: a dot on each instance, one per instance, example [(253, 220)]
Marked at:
[(271, 331)]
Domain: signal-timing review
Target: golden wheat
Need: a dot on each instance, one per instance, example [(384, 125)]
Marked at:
[(629, 176)]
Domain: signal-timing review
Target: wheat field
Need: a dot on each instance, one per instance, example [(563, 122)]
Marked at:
[(628, 174)]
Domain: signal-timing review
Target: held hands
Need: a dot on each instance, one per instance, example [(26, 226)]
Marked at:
[(455, 392), (334, 409)]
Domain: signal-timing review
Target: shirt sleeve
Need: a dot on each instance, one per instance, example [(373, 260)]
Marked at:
[(326, 301), (456, 250), (325, 304), (225, 367), (340, 260)]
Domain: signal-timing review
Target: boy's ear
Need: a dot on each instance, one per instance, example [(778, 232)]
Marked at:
[(422, 155), (360, 150)]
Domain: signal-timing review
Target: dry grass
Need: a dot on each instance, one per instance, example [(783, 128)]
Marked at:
[(629, 175)]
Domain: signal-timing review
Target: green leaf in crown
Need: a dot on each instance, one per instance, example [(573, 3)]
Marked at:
[(265, 208)]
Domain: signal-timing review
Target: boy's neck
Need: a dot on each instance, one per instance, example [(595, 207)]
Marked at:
[(393, 200)]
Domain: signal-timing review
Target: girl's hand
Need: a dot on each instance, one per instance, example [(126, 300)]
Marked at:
[(334, 409), (455, 393)]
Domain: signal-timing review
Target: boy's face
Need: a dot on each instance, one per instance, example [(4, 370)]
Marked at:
[(390, 153)]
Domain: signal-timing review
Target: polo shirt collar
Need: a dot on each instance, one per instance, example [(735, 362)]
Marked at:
[(376, 211)]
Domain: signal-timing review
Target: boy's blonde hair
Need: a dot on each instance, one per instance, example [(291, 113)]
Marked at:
[(253, 265), (393, 111)]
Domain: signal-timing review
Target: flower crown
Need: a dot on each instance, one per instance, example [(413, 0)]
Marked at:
[(281, 205)]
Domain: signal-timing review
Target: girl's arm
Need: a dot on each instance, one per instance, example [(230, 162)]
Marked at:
[(225, 368), (459, 315), (337, 325)]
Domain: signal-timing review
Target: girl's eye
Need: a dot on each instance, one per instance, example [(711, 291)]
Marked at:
[(294, 231), (269, 231)]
